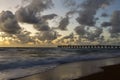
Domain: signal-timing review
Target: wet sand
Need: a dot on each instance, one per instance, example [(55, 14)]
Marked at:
[(75, 70), (109, 73)]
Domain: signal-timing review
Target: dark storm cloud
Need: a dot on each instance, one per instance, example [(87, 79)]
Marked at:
[(96, 18), (24, 37), (64, 23), (86, 19), (49, 17), (73, 6), (115, 22), (29, 13), (72, 12), (94, 35), (89, 10), (106, 24), (80, 30), (10, 26), (27, 16), (40, 5), (90, 36), (98, 32), (41, 27), (8, 23), (32, 14), (47, 35), (45, 32), (104, 15)]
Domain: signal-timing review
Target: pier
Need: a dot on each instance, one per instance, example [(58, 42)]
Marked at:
[(90, 46)]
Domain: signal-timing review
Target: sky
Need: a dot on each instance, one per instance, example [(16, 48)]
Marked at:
[(59, 22)]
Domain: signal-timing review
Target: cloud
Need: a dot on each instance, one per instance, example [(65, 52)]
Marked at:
[(42, 27), (64, 23), (32, 14), (88, 34), (70, 36), (8, 23), (40, 5), (29, 14), (106, 24), (94, 34), (86, 19), (114, 35), (80, 30), (49, 17), (47, 35), (89, 10), (104, 15), (10, 26), (98, 32), (24, 37), (115, 22), (69, 3)]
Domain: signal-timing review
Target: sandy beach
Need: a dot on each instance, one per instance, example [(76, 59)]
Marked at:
[(73, 70)]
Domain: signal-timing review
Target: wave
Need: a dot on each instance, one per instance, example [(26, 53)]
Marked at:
[(16, 61)]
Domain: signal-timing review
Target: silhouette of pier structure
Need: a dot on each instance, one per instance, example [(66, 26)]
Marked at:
[(90, 46)]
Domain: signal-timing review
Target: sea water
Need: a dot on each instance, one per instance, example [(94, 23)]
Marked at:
[(23, 62)]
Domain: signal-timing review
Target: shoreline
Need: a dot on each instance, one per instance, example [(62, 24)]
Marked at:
[(72, 70)]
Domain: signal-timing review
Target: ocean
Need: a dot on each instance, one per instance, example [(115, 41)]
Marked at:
[(19, 62)]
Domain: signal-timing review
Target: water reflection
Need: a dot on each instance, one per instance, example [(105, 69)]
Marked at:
[(73, 70)]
